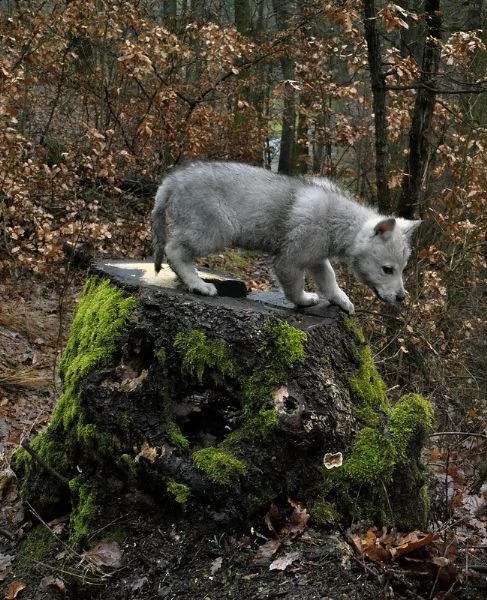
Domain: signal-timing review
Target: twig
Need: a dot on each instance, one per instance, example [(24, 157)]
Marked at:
[(25, 444), (464, 433), (6, 533), (366, 567)]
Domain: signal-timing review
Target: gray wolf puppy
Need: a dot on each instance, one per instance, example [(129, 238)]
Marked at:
[(203, 207)]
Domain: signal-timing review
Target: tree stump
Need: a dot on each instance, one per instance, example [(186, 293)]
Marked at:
[(219, 407)]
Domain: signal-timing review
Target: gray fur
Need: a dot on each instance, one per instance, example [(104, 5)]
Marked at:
[(204, 207)]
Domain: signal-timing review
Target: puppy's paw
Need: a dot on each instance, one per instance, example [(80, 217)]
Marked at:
[(204, 288), (341, 300), (307, 299)]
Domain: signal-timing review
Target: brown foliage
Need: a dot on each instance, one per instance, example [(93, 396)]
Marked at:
[(94, 94)]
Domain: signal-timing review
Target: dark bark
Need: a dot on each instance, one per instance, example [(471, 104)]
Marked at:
[(379, 91), (243, 20), (421, 147), (287, 153)]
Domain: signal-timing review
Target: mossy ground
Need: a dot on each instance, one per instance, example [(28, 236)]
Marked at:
[(34, 548)]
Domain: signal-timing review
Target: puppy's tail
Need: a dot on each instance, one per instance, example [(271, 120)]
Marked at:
[(159, 226)]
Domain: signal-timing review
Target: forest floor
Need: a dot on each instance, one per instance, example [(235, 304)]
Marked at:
[(185, 559)]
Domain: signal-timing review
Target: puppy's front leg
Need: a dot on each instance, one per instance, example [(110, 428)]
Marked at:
[(291, 279), (324, 276)]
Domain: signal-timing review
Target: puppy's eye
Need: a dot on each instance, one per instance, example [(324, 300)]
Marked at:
[(388, 270)]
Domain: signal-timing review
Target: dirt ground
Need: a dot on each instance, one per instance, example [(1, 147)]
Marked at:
[(156, 555), (189, 561)]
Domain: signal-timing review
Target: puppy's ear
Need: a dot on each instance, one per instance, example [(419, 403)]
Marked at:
[(408, 227), (385, 227)]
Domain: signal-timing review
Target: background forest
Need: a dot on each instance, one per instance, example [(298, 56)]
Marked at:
[(100, 98)]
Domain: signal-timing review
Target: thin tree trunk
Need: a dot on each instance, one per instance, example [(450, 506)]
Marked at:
[(287, 153), (243, 20), (420, 148), (378, 83)]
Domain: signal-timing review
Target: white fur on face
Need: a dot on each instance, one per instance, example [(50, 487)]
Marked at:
[(379, 258)]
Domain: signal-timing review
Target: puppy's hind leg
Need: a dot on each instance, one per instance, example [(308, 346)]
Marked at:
[(180, 260), (291, 279)]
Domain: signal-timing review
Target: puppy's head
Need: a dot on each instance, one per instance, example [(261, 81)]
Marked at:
[(380, 254)]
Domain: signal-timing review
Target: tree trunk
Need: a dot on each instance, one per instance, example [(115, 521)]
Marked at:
[(222, 406), (421, 149), (243, 18), (378, 82), (287, 152)]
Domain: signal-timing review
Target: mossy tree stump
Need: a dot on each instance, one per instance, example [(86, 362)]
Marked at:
[(218, 407)]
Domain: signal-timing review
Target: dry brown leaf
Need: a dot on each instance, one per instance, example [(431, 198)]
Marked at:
[(14, 589), (281, 563), (106, 553), (297, 521), (267, 550), (413, 541)]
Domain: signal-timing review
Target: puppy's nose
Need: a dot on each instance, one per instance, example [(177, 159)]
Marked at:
[(400, 297)]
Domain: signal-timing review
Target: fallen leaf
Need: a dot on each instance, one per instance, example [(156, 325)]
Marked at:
[(50, 581), (14, 589), (413, 541), (106, 553), (266, 551), (281, 563), (440, 561), (5, 561), (216, 565), (139, 584), (298, 520)]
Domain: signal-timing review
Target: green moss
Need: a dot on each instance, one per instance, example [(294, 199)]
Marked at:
[(258, 427), (34, 547), (410, 422), (258, 386), (378, 463), (200, 354), (323, 512), (372, 458), (36, 484), (284, 344), (385, 450), (375, 454), (99, 322), (127, 464), (179, 491), (161, 355), (283, 347), (239, 259), (218, 465), (367, 383), (175, 435), (85, 510), (350, 325)]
